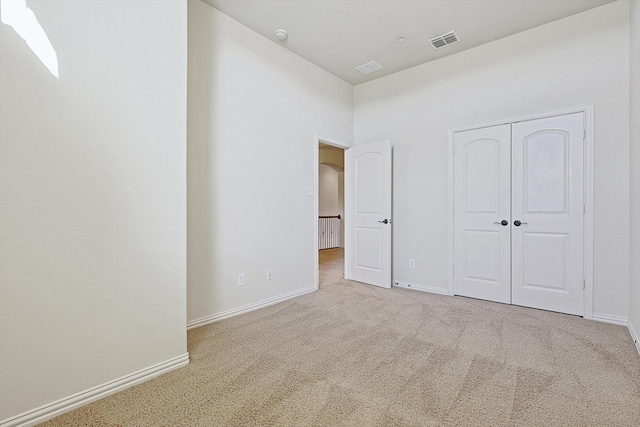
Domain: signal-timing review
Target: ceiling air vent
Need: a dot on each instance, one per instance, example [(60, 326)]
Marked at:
[(369, 67), (444, 40)]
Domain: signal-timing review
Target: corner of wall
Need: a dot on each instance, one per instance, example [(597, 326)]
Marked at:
[(634, 169)]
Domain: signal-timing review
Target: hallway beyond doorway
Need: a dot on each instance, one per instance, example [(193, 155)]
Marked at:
[(331, 266)]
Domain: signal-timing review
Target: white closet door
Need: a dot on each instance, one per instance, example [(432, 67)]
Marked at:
[(482, 203), (547, 213)]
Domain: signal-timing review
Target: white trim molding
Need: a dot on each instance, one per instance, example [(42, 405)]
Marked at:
[(634, 336), (608, 318), (74, 401), (207, 320), (451, 220), (422, 288)]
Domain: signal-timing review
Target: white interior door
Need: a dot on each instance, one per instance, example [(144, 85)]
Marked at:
[(548, 213), (482, 224), (368, 208)]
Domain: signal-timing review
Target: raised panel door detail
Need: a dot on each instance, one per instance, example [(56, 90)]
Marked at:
[(482, 168), (482, 255), (548, 200), (368, 190), (546, 258), (482, 176), (546, 172), (368, 243), (367, 206)]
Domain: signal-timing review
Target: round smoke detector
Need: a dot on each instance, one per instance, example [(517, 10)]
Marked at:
[(281, 35)]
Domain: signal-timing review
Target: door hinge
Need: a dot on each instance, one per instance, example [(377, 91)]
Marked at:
[(584, 209), (584, 283), (584, 134), (454, 269)]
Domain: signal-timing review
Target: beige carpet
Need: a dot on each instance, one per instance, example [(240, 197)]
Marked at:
[(356, 355)]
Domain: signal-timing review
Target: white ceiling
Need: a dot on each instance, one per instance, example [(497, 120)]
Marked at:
[(339, 35)]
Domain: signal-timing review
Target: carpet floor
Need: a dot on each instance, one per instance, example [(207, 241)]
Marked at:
[(356, 355)]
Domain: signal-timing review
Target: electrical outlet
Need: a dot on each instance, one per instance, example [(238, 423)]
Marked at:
[(269, 273), (412, 263), (241, 279)]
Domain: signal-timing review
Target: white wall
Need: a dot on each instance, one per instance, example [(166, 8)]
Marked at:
[(253, 110), (331, 195), (577, 60), (92, 182), (341, 206), (328, 201), (634, 113)]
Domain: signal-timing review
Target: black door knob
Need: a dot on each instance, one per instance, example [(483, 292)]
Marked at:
[(517, 223), (504, 222)]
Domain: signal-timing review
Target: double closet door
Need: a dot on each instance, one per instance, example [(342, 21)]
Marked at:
[(519, 213)]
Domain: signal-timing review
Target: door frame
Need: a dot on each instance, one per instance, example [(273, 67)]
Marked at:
[(317, 139), (587, 110)]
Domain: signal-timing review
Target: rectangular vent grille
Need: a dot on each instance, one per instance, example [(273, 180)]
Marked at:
[(369, 67), (444, 40)]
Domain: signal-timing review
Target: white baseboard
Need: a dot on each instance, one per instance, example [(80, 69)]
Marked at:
[(635, 336), (247, 308), (74, 401), (608, 318), (422, 288)]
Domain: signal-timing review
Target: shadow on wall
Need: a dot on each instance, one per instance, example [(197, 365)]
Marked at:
[(204, 178)]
